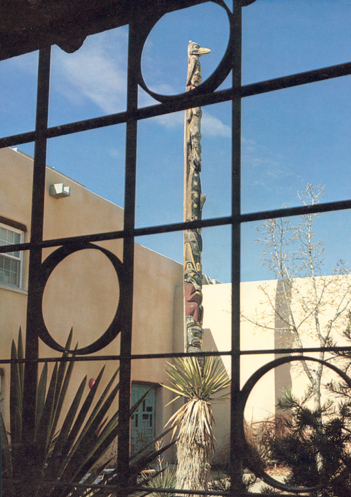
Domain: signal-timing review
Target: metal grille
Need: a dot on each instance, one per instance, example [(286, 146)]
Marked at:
[(205, 95)]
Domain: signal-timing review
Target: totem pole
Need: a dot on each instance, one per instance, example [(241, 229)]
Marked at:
[(193, 204)]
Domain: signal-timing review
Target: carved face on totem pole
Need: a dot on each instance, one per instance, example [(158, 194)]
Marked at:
[(194, 68), (194, 201)]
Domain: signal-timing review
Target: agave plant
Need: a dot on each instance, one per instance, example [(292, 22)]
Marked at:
[(63, 451), (163, 478), (199, 385)]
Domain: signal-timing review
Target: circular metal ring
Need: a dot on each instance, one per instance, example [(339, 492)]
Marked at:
[(47, 267), (244, 394), (213, 81)]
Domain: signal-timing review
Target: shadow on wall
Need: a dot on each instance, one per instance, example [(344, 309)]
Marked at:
[(282, 338), (221, 412)]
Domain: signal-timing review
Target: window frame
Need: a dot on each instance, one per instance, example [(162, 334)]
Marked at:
[(10, 256)]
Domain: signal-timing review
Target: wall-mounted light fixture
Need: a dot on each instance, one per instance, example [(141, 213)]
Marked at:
[(59, 190)]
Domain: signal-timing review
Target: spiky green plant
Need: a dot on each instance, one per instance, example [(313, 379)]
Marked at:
[(315, 448), (64, 450), (164, 479), (200, 386)]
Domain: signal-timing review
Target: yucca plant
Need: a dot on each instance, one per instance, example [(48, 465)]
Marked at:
[(67, 450), (164, 477), (200, 386)]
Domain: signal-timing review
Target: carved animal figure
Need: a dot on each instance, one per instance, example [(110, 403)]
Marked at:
[(193, 203)]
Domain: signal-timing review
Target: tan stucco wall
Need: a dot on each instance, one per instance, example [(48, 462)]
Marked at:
[(217, 326), (255, 307), (333, 310), (82, 292)]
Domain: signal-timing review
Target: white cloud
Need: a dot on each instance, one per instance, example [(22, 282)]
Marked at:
[(173, 120), (267, 169), (97, 71), (212, 126), (27, 62)]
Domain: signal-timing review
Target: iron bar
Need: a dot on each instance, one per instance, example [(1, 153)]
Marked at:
[(183, 102), (235, 419), (33, 303), (0, 453), (169, 228), (128, 273), (217, 353), (129, 232), (159, 490)]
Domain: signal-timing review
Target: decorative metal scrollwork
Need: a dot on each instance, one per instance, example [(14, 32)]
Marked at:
[(209, 85), (244, 394), (48, 266)]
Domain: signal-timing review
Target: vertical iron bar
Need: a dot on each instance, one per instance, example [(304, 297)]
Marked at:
[(34, 302), (236, 465), (0, 445), (128, 263)]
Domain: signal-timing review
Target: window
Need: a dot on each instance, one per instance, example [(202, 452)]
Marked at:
[(10, 262)]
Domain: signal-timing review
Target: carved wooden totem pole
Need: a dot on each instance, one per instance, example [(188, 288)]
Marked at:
[(193, 204)]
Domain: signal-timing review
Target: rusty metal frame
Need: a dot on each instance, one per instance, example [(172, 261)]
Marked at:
[(206, 94)]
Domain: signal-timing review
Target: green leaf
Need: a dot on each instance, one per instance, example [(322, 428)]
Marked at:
[(16, 399), (88, 440), (7, 469), (20, 357), (44, 432), (87, 437), (63, 381), (189, 381), (82, 415), (57, 460), (84, 437), (41, 393)]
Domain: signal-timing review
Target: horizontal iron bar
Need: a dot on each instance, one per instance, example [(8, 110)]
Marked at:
[(183, 102), (151, 490), (296, 211), (177, 354), (225, 492), (298, 79), (133, 489), (204, 223)]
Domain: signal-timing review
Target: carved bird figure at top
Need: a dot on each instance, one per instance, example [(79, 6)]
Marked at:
[(194, 68)]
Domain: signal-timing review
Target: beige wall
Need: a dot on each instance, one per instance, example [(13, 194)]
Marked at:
[(217, 326), (255, 308), (83, 291)]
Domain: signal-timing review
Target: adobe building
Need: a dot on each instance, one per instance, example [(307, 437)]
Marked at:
[(83, 292), (70, 299)]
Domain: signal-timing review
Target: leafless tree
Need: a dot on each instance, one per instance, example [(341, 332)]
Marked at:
[(311, 307)]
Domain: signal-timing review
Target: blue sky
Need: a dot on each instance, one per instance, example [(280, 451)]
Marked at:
[(289, 138)]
